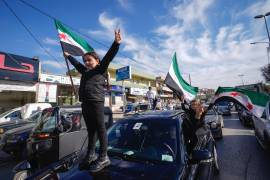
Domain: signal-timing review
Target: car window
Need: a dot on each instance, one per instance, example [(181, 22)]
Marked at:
[(15, 114), (70, 121), (149, 140), (35, 117), (47, 122), (264, 115)]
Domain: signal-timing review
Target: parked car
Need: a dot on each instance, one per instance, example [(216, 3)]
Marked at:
[(224, 108), (59, 136), (11, 115), (148, 146), (245, 117), (262, 128), (11, 125), (134, 108), (14, 141), (28, 109), (215, 121)]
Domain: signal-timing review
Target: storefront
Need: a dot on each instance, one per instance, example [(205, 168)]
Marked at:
[(57, 89), (18, 80), (136, 95)]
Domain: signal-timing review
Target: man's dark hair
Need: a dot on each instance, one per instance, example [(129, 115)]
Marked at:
[(93, 54), (149, 88)]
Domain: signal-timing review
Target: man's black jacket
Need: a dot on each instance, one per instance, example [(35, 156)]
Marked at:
[(93, 81)]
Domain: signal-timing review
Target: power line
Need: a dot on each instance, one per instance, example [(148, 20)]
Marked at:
[(29, 31), (75, 30)]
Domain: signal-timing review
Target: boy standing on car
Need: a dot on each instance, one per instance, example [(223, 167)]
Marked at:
[(91, 94)]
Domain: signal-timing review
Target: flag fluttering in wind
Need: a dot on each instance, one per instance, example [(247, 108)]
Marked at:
[(177, 84), (71, 42), (253, 101)]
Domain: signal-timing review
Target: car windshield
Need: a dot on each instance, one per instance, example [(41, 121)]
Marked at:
[(47, 121), (223, 103), (6, 113), (151, 140), (35, 116)]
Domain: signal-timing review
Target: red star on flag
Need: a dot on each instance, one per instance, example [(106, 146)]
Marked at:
[(62, 36), (234, 94), (249, 106)]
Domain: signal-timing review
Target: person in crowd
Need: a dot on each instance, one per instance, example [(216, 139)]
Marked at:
[(91, 94), (193, 120), (150, 97)]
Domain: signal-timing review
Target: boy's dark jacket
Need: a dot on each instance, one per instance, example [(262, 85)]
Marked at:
[(93, 81)]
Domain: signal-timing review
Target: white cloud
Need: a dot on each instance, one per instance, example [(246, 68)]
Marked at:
[(50, 41), (192, 11), (125, 4), (54, 64), (212, 59)]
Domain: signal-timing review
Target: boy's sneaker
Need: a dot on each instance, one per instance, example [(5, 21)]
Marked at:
[(86, 162), (99, 164)]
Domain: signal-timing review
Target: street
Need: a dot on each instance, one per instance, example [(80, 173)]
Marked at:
[(240, 156)]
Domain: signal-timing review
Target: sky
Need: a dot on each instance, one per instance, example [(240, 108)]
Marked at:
[(211, 38)]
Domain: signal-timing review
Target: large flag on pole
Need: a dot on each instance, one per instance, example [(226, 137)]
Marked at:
[(253, 101), (71, 42), (176, 83)]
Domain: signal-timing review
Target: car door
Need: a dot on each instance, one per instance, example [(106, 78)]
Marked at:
[(261, 122)]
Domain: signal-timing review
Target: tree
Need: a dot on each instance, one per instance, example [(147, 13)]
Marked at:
[(266, 72)]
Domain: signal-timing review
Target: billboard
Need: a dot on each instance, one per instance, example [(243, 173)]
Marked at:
[(18, 68), (123, 73)]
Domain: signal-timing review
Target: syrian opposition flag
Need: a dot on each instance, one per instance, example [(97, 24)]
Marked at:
[(177, 84), (253, 101), (71, 42)]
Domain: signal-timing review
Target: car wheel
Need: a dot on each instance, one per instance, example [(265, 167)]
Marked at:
[(21, 175), (215, 159)]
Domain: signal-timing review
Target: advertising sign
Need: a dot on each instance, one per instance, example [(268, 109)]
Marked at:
[(123, 73), (138, 91), (18, 68), (58, 79), (47, 92)]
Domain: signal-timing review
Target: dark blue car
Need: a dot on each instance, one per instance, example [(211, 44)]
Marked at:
[(148, 146)]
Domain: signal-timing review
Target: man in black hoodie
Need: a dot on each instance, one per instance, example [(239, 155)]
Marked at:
[(193, 120), (91, 94)]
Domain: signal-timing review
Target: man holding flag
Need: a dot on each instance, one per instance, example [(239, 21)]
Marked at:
[(91, 91)]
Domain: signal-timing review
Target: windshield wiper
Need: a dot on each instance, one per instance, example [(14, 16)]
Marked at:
[(122, 156)]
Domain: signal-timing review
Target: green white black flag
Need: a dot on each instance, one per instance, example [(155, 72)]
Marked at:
[(176, 83), (71, 42)]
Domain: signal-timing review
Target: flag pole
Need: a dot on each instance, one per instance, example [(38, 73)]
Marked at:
[(71, 80)]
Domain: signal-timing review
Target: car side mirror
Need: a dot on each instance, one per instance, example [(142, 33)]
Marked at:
[(200, 155), (24, 165)]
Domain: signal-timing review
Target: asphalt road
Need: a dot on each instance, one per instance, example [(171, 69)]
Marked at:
[(240, 155)]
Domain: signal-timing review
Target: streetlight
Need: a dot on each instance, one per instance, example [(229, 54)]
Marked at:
[(241, 76), (263, 16), (268, 48)]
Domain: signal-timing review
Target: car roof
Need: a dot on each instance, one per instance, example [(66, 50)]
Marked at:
[(155, 115)]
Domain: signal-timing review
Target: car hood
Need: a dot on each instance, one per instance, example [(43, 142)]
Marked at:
[(12, 124), (121, 169), (22, 129)]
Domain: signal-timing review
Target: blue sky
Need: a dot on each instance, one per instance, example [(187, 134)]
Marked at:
[(211, 38)]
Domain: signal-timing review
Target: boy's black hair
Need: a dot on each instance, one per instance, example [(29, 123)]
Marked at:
[(93, 54)]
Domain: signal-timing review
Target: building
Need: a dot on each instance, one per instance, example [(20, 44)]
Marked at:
[(22, 82), (18, 80)]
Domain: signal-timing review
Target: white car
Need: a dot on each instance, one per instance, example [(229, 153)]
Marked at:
[(11, 115), (30, 108)]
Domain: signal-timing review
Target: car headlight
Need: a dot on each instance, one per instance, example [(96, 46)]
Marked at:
[(213, 125), (2, 130)]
